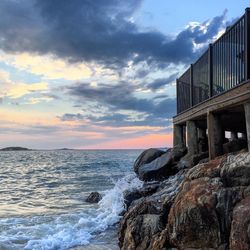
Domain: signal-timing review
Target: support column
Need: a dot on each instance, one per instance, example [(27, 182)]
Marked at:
[(178, 135), (215, 135), (192, 138), (247, 117), (184, 135)]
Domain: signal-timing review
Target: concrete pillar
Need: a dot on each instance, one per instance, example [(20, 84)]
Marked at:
[(215, 135), (234, 135), (178, 135), (192, 138), (184, 131), (247, 116)]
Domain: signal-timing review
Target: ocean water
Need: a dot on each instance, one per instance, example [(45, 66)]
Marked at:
[(42, 204)]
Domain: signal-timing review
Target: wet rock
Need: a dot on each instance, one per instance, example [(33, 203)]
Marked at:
[(94, 197), (192, 221), (236, 170), (240, 231), (130, 196), (178, 152), (135, 232), (131, 224), (157, 169), (142, 227), (146, 157), (147, 190)]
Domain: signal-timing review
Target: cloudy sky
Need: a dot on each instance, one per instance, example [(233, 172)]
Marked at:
[(99, 73)]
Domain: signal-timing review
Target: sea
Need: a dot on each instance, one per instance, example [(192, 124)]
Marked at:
[(43, 193)]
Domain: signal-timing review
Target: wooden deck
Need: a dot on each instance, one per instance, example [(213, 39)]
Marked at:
[(232, 98)]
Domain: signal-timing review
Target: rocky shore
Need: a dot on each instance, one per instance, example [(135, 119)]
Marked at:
[(185, 205)]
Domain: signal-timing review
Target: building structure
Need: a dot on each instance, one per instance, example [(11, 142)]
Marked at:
[(213, 95)]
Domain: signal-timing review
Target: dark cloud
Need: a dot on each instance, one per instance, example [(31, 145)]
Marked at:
[(150, 112), (100, 31), (161, 82), (121, 97)]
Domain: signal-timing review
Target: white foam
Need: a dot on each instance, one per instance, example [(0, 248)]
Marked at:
[(66, 231)]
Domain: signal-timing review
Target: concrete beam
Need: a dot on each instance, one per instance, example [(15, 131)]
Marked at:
[(215, 135), (247, 116), (192, 138), (178, 135)]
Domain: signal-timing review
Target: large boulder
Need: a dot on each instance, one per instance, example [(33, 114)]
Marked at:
[(178, 152), (236, 170), (193, 221), (240, 230), (146, 157), (157, 169)]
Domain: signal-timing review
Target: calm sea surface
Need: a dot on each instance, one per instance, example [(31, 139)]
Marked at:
[(42, 204)]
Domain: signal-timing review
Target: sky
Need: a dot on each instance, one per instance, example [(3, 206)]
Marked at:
[(99, 74)]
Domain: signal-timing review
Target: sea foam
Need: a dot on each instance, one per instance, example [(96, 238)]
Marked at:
[(64, 231)]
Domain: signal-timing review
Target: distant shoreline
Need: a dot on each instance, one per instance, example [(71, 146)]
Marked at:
[(69, 149), (15, 149)]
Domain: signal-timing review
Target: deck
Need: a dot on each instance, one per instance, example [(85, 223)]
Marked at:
[(213, 94)]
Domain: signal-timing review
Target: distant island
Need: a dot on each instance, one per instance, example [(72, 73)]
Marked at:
[(65, 149), (14, 149)]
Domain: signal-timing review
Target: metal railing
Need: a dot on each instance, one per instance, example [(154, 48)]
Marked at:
[(223, 66)]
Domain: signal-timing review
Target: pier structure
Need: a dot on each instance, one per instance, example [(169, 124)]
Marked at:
[(213, 95)]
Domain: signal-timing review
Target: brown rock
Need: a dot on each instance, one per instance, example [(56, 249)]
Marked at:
[(192, 221), (131, 224), (146, 157), (240, 231), (209, 169), (140, 231)]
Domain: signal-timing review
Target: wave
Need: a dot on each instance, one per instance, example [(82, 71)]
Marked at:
[(64, 231)]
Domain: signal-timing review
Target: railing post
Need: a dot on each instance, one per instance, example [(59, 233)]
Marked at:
[(191, 85), (177, 96), (210, 69), (247, 40)]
